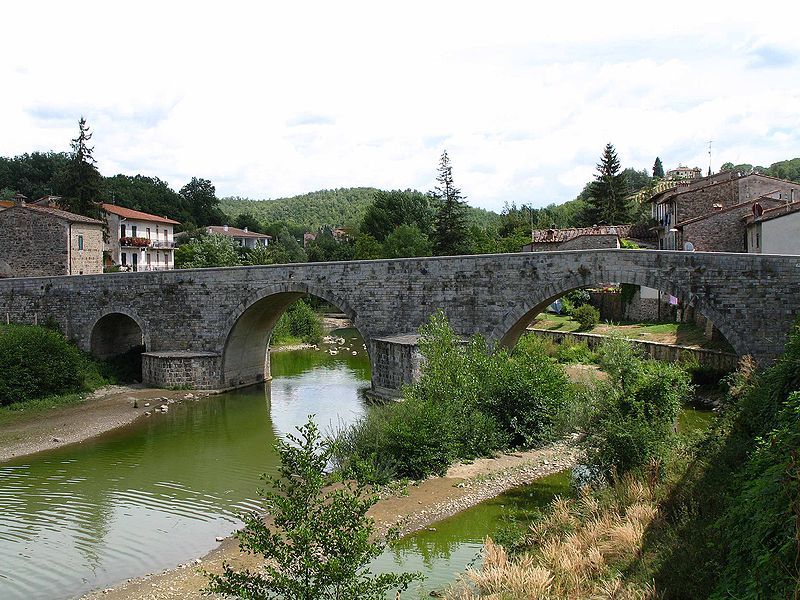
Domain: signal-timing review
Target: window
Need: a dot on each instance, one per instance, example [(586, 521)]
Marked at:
[(148, 233), (124, 257), (133, 230), (122, 230), (80, 242), (758, 240)]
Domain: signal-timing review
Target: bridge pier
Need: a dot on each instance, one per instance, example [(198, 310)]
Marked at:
[(396, 361), (175, 369)]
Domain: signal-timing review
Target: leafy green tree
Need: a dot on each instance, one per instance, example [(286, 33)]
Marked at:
[(79, 183), (321, 542), (450, 230), (285, 248), (406, 241), (367, 248), (327, 248), (395, 208), (33, 175), (248, 221), (637, 180), (207, 251), (658, 169), (785, 169), (608, 204), (201, 199)]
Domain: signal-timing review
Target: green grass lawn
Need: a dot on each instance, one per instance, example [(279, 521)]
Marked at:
[(14, 412), (682, 334)]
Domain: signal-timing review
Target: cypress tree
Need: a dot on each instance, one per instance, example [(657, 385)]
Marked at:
[(658, 169), (450, 235), (608, 202)]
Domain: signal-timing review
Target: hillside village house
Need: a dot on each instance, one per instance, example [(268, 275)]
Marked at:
[(692, 203), (139, 241), (775, 230), (577, 238), (243, 237), (39, 241)]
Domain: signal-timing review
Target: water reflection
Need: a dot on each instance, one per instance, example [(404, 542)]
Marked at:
[(157, 493)]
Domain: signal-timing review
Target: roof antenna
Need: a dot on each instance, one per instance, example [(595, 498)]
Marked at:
[(709, 157)]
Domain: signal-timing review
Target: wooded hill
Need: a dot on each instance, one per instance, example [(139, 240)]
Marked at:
[(343, 207)]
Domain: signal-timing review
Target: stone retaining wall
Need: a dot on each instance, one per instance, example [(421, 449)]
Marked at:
[(197, 370), (711, 359)]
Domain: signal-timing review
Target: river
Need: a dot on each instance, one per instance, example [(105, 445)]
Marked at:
[(157, 493)]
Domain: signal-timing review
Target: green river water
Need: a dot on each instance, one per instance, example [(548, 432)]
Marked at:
[(158, 492)]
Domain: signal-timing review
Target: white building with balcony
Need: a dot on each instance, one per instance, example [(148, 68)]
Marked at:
[(139, 241)]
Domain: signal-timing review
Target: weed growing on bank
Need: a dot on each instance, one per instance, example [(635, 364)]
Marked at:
[(468, 402)]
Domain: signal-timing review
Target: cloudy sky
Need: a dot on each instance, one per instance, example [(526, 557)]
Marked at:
[(275, 99)]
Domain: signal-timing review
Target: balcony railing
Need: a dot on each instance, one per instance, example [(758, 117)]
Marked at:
[(143, 242), (134, 242)]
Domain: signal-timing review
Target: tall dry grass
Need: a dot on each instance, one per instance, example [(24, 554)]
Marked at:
[(576, 552)]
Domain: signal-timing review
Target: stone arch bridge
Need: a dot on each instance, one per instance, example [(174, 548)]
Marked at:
[(210, 328)]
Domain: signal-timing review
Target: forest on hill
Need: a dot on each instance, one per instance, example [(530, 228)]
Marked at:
[(343, 207)]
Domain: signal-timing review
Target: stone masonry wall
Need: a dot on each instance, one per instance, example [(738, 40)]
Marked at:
[(751, 298), (89, 260), (587, 242), (701, 201), (33, 244), (181, 369), (725, 231)]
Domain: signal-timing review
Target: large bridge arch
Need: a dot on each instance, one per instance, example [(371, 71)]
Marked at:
[(516, 320), (246, 334)]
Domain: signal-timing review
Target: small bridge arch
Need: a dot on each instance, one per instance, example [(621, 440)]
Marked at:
[(116, 332)]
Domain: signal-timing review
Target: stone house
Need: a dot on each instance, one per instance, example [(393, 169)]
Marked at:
[(681, 172), (139, 241), (38, 241), (577, 238), (696, 198), (722, 229), (774, 230), (243, 237)]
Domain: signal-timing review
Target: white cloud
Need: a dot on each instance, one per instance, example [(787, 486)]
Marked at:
[(271, 100)]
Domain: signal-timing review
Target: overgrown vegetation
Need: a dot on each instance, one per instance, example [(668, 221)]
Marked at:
[(586, 315), (703, 515), (468, 402), (319, 541), (298, 324)]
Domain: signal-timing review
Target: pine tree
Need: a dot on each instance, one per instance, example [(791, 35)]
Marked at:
[(450, 236), (79, 183), (658, 169), (608, 203)]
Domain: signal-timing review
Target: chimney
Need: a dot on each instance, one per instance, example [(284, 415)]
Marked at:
[(245, 230), (224, 228), (19, 199)]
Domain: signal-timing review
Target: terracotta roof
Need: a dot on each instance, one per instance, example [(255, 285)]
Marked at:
[(563, 235), (58, 213), (6, 203), (129, 213), (775, 212), (236, 232)]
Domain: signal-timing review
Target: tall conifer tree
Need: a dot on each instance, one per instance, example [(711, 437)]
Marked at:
[(79, 183), (608, 203), (450, 235), (658, 168)]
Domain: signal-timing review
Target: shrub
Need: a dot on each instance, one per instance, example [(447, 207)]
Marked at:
[(635, 420), (298, 322), (569, 352), (36, 362), (587, 316), (468, 402), (321, 541)]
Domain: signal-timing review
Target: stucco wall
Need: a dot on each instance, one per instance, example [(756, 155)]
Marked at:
[(781, 235)]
